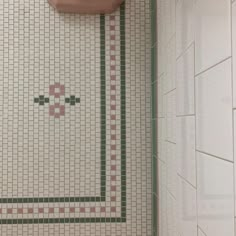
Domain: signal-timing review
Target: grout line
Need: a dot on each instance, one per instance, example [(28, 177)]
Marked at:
[(220, 158), (170, 39), (159, 76), (232, 93), (195, 127), (185, 51), (169, 141), (201, 230), (189, 115), (167, 189), (169, 91), (161, 160), (162, 117), (186, 181), (211, 67)]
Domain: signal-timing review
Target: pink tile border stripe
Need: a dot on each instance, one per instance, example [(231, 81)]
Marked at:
[(113, 109)]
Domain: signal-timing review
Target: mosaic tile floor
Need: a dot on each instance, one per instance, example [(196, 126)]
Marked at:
[(75, 140)]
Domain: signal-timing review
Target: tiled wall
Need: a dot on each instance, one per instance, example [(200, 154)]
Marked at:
[(196, 84)]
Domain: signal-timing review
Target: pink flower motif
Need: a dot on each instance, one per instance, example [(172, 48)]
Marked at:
[(57, 110), (57, 90)]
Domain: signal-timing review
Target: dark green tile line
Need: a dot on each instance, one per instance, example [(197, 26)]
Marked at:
[(153, 12), (50, 199), (61, 220), (103, 106), (154, 100), (123, 110)]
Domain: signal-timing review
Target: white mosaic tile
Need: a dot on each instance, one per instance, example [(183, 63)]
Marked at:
[(75, 127)]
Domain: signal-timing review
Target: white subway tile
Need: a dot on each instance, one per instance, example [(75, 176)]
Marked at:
[(214, 125), (234, 51), (171, 168), (212, 32), (185, 148), (184, 25), (215, 191), (185, 83), (186, 209), (171, 116)]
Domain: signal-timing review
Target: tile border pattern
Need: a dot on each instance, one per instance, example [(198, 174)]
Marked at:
[(153, 9), (122, 217)]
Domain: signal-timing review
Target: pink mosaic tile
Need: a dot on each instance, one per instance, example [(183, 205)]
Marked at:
[(61, 210), (112, 27), (103, 209), (113, 127), (113, 77), (113, 87), (50, 210), (113, 188), (40, 210), (82, 209), (113, 177), (113, 209), (113, 57), (9, 211), (72, 210), (30, 210), (113, 68), (112, 47), (113, 117), (113, 97), (113, 198), (92, 209), (113, 167), (20, 210)]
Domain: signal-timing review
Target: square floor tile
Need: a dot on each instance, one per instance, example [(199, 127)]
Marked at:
[(215, 191)]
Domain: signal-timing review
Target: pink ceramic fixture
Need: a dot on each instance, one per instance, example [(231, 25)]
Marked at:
[(86, 6)]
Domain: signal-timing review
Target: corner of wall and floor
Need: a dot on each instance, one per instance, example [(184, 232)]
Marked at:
[(196, 119)]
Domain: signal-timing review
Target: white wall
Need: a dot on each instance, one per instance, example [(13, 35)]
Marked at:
[(196, 117)]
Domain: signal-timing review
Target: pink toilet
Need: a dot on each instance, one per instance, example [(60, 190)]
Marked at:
[(86, 6)]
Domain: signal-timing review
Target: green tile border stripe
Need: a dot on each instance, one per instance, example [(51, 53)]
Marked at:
[(123, 110), (63, 220), (103, 107), (121, 219), (153, 11)]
